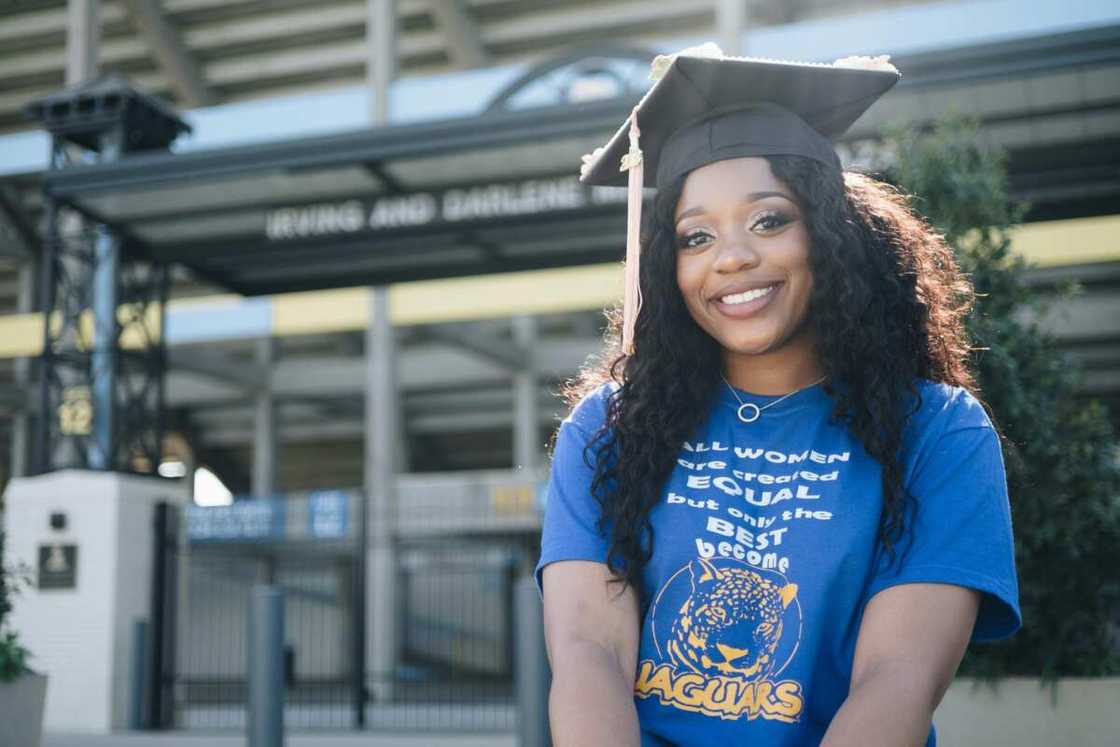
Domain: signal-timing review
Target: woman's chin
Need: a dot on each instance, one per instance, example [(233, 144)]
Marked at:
[(745, 346)]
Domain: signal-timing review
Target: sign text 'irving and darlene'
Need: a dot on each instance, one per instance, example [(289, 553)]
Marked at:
[(480, 202)]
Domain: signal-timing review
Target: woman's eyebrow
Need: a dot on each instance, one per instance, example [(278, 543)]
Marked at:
[(752, 197)]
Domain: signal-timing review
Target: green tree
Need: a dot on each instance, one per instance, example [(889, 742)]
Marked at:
[(1059, 448)]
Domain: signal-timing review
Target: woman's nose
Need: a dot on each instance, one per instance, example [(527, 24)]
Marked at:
[(737, 254)]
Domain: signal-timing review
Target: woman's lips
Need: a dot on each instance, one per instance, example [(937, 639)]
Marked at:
[(746, 309)]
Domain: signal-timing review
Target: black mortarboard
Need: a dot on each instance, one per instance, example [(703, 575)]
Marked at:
[(705, 107)]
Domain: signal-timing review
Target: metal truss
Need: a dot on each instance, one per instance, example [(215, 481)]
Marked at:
[(101, 385)]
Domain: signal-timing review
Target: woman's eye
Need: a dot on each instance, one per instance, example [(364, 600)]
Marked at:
[(692, 240), (771, 221)]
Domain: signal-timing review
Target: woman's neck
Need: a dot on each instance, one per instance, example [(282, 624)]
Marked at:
[(794, 366)]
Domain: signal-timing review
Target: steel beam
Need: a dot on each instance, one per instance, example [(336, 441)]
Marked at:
[(265, 429), (381, 59), (507, 355), (83, 35), (460, 30), (526, 418), (731, 23), (166, 44), (211, 364)]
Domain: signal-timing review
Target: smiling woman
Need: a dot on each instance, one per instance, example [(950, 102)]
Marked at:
[(788, 309)]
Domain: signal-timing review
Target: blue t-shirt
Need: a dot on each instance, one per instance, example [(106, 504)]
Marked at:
[(766, 552)]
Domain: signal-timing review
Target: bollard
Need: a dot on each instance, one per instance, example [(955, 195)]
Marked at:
[(138, 675), (266, 667), (531, 671)]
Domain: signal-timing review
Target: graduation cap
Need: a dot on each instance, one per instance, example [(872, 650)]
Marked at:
[(706, 107)]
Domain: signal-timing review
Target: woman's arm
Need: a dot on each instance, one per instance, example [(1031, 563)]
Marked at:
[(592, 635), (911, 641)]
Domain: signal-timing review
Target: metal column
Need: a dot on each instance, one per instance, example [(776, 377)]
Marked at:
[(377, 561), (264, 424), (83, 34), (266, 667), (104, 359), (533, 677), (381, 60), (380, 482), (21, 421), (731, 22), (526, 419)]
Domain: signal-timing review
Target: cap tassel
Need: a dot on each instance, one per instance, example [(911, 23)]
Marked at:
[(632, 295)]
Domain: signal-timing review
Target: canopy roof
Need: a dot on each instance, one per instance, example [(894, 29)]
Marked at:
[(374, 206)]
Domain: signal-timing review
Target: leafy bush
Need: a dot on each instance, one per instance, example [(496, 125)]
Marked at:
[(1059, 448), (13, 657)]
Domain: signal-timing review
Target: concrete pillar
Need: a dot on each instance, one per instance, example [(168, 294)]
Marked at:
[(83, 35), (263, 481), (526, 418), (381, 60), (382, 457), (380, 488), (731, 23)]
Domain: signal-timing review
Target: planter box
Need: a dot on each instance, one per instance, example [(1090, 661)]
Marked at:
[(21, 710), (1019, 711)]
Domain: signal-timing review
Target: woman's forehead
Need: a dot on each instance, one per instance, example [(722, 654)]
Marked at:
[(730, 178)]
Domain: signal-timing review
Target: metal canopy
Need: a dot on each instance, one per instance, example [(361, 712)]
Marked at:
[(399, 203)]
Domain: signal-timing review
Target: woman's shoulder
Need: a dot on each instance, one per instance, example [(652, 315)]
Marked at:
[(948, 406), (590, 413)]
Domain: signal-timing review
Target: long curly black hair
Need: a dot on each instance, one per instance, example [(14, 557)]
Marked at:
[(887, 306)]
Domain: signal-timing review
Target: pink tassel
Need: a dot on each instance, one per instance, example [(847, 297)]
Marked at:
[(632, 297)]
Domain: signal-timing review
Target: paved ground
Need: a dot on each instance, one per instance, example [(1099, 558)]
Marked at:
[(297, 739)]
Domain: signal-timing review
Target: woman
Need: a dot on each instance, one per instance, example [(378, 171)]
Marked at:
[(778, 515)]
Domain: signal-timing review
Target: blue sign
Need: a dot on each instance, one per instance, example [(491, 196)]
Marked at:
[(255, 519), (327, 514)]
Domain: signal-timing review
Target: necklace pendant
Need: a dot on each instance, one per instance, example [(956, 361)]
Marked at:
[(753, 411)]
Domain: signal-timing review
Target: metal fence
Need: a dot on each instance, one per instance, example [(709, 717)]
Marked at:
[(454, 614), (213, 650)]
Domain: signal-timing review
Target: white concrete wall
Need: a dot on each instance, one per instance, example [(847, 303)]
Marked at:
[(1018, 713), (81, 637)]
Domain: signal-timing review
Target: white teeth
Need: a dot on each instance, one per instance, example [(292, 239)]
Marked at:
[(746, 295)]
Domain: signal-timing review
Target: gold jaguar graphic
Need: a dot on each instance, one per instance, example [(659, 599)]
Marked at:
[(730, 624)]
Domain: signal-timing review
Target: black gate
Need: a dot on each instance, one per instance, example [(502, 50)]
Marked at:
[(318, 612), (454, 617)]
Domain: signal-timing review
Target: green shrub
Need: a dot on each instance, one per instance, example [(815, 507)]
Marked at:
[(13, 657), (1059, 448)]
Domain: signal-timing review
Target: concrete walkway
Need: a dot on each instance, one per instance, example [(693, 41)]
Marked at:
[(297, 739)]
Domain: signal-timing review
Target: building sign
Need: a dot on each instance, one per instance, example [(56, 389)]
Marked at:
[(58, 566), (248, 520), (451, 206), (326, 514)]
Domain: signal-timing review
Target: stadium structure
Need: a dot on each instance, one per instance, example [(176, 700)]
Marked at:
[(289, 291)]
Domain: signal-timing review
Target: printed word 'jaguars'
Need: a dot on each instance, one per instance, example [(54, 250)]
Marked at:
[(726, 697)]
